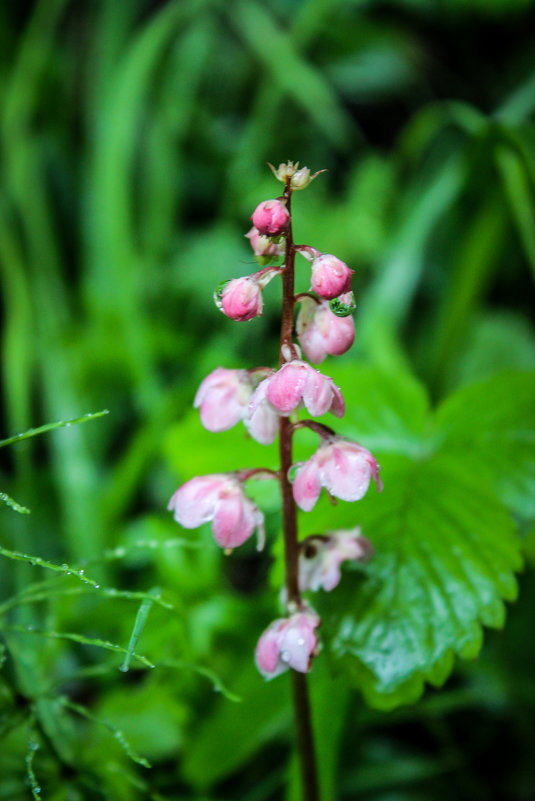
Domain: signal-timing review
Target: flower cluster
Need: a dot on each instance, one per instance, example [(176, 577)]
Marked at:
[(269, 401)]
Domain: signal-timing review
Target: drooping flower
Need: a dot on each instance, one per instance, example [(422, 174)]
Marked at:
[(223, 398), (322, 333), (343, 467), (288, 643), (330, 276), (320, 557), (218, 498), (298, 383), (264, 245), (271, 217), (240, 298)]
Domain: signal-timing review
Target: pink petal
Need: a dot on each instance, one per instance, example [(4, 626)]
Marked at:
[(298, 642), (374, 467), (263, 424), (233, 521), (330, 574), (307, 485), (267, 651), (285, 388), (340, 335), (258, 396), (317, 394), (313, 344), (195, 501), (338, 407), (223, 397), (222, 409), (346, 474)]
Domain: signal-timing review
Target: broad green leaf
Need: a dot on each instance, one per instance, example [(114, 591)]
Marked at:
[(445, 542), (388, 411), (494, 421), (445, 553)]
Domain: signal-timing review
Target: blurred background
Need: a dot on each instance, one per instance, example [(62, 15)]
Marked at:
[(134, 137)]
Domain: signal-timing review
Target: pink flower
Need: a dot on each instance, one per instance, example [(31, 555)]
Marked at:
[(263, 245), (221, 499), (241, 299), (322, 333), (343, 467), (223, 398), (288, 643), (320, 557), (298, 383), (271, 217), (330, 276)]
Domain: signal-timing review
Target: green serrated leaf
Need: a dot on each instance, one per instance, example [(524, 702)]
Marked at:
[(445, 555), (446, 546)]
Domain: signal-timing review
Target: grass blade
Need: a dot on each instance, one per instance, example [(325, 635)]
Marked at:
[(139, 625), (116, 733), (33, 432), (12, 503)]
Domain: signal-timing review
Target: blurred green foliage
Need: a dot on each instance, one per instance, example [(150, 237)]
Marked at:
[(133, 143)]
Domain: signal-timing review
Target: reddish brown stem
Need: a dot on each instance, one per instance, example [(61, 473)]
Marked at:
[(324, 431), (305, 740)]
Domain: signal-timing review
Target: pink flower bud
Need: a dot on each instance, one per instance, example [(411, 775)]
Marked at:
[(288, 643), (322, 333), (263, 245), (343, 467), (330, 276), (271, 217), (241, 299), (223, 398), (320, 557), (221, 499), (298, 383)]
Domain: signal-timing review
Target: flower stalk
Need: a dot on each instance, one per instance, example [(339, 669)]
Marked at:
[(268, 401)]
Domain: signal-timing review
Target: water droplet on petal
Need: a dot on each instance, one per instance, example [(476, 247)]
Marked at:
[(285, 656)]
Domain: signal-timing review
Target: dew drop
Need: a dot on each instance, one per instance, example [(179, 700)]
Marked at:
[(285, 656), (300, 641), (97, 586)]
